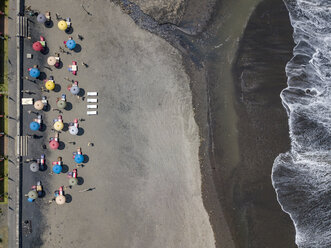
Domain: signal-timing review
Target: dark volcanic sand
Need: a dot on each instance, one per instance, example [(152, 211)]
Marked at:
[(253, 213)]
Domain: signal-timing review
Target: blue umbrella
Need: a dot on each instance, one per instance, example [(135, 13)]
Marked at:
[(34, 126), (74, 90), (57, 169), (41, 18), (79, 158), (71, 44), (34, 72)]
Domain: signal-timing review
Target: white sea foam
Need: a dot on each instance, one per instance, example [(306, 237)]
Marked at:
[(302, 177)]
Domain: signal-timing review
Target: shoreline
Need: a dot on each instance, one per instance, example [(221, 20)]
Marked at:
[(221, 214)]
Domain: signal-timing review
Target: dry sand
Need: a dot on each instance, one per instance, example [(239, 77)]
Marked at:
[(144, 165)]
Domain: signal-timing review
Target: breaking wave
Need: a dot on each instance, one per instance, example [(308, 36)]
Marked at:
[(302, 176)]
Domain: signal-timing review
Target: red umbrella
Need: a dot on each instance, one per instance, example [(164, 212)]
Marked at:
[(54, 145), (37, 46)]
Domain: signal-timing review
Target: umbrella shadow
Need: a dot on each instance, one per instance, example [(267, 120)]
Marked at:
[(65, 168), (43, 167), (80, 131), (61, 145), (86, 159), (42, 76), (57, 88), (47, 108), (65, 127), (68, 198), (77, 48), (80, 181), (60, 65), (68, 106), (43, 194), (69, 30), (45, 51), (81, 92), (49, 24), (43, 127)]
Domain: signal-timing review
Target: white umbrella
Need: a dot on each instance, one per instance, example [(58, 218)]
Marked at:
[(34, 167), (73, 130)]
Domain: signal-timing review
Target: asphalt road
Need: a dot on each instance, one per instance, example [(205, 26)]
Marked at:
[(144, 166)]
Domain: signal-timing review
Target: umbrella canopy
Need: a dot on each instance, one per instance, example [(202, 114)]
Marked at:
[(34, 72), (50, 85), (73, 181), (58, 126), (74, 90), (34, 167), (79, 158), (60, 199), (62, 25), (34, 126), (38, 105), (73, 130), (41, 18), (33, 194), (51, 60), (54, 145), (57, 169), (37, 46), (71, 44), (61, 104)]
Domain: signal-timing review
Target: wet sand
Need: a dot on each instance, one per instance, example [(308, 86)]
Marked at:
[(246, 72)]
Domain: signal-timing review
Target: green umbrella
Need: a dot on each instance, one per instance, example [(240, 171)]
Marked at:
[(73, 181), (33, 194), (61, 104)]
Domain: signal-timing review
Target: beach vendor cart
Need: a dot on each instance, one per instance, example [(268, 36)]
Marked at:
[(73, 68), (36, 124), (59, 196), (57, 165), (78, 156), (73, 178), (73, 127)]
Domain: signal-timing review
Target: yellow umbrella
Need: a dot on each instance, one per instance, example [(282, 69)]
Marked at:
[(58, 126), (51, 60), (38, 105), (62, 25), (60, 199), (50, 85)]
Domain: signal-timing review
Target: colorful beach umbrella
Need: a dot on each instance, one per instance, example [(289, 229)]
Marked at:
[(51, 60), (33, 194), (54, 144), (74, 90), (41, 18), (60, 199), (61, 104), (38, 105), (62, 25), (58, 125), (34, 72), (73, 181), (34, 167), (57, 169), (79, 158), (71, 44), (73, 130), (37, 46), (34, 126), (50, 85)]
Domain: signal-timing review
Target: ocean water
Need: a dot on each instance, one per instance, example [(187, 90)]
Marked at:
[(302, 176)]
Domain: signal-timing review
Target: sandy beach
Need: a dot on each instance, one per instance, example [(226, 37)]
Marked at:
[(144, 164), (189, 123)]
